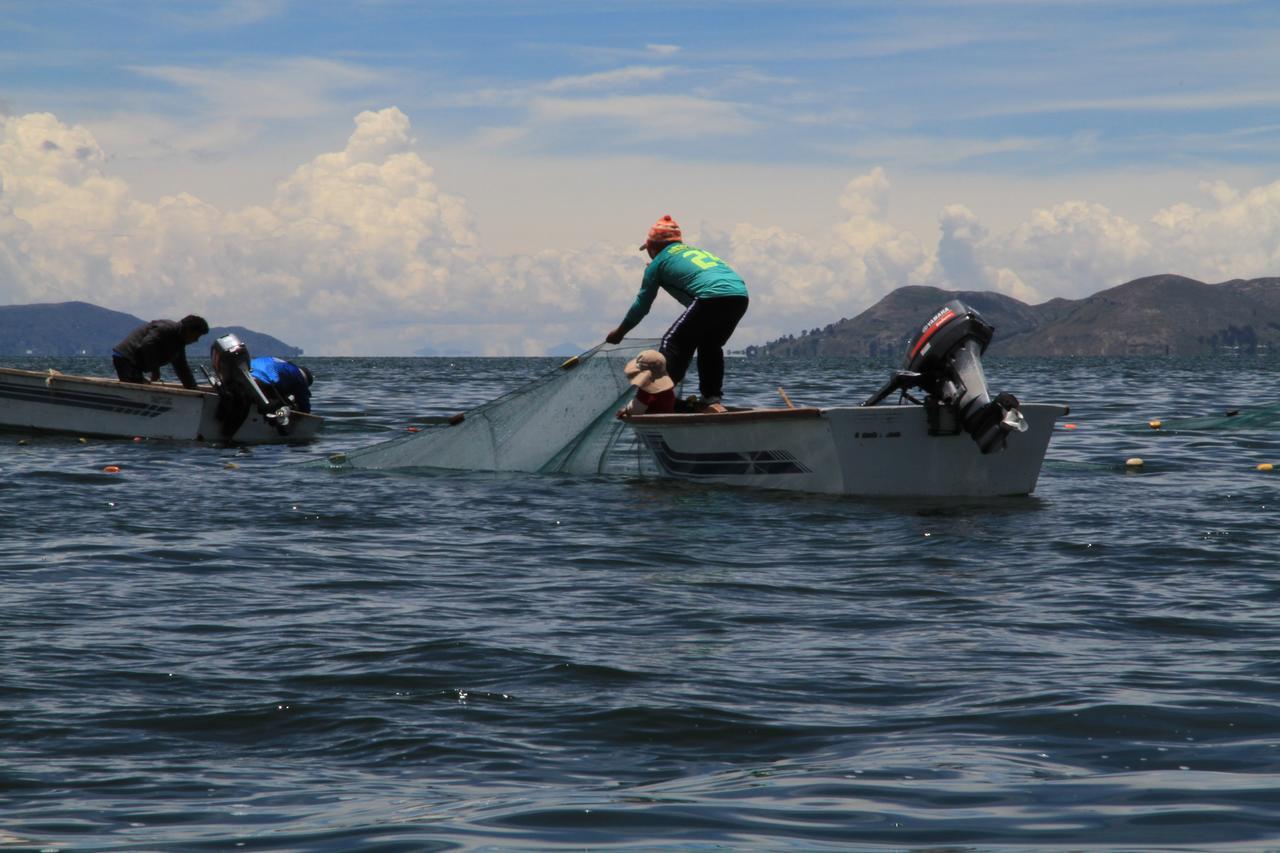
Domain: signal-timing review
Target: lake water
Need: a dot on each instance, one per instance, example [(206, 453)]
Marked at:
[(217, 649)]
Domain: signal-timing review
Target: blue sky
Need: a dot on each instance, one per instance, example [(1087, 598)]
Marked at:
[(380, 177)]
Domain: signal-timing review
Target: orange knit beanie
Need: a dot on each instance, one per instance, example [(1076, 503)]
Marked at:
[(665, 230)]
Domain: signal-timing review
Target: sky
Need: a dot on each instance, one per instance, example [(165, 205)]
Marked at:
[(396, 177)]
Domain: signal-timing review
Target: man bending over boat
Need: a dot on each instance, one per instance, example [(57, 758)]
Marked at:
[(289, 381), (715, 299), (155, 344)]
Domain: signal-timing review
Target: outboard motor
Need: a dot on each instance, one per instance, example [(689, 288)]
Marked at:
[(238, 391), (944, 359)]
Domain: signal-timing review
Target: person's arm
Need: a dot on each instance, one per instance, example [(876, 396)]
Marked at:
[(640, 308), (297, 388), (638, 405), (183, 370)]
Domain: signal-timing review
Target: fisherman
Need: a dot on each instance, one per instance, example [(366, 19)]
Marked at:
[(715, 299), (286, 379), (655, 392), (160, 342)]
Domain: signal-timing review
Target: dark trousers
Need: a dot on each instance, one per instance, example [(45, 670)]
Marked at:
[(126, 370), (704, 327)]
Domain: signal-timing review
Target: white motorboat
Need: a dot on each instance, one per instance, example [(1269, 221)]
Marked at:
[(233, 409), (876, 451), (957, 442)]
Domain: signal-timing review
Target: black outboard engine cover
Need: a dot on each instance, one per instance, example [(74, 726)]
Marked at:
[(944, 359), (230, 359), (238, 391)]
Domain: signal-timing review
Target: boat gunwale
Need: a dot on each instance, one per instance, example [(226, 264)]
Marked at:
[(107, 382), (769, 414), (731, 416)]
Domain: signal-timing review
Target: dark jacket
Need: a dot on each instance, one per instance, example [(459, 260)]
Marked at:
[(158, 343)]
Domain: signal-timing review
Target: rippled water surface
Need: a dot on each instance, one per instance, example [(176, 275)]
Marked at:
[(217, 649)]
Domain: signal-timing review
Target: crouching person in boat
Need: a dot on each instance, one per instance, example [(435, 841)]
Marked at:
[(655, 391), (288, 381), (715, 299), (155, 344)]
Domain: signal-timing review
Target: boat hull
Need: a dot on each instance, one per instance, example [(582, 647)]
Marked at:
[(874, 451), (53, 402)]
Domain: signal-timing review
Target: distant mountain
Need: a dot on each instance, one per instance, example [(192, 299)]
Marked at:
[(257, 342), (565, 350), (1157, 315), (884, 328), (78, 328), (1160, 315)]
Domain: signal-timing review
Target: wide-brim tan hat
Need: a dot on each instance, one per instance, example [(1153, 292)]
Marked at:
[(648, 372)]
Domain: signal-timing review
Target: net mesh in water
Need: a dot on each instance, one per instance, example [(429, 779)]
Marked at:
[(1264, 417), (563, 422)]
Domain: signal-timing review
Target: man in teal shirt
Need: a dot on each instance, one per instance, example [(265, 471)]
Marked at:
[(715, 299)]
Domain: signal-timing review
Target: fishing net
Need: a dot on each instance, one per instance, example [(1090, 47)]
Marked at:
[(1260, 418), (562, 422)]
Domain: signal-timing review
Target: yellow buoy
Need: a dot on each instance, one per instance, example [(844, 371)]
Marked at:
[(1155, 424), (1265, 466), (1133, 462)]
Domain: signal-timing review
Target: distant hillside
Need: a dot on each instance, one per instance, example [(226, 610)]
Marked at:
[(1157, 315), (1161, 315), (565, 350), (883, 329), (78, 328)]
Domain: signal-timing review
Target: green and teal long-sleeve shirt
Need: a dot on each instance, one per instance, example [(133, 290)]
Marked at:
[(687, 274)]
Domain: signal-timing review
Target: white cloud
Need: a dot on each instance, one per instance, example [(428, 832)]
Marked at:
[(499, 137), (1231, 99), (648, 116), (617, 77), (932, 152), (358, 251), (959, 260), (232, 14), (799, 281), (1238, 236), (358, 233), (1073, 249), (291, 88)]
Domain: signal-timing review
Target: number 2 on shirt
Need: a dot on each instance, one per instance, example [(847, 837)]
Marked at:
[(700, 259)]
